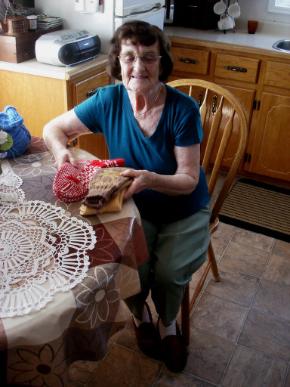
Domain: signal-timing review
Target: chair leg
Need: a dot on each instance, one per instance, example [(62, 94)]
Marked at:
[(187, 303), (212, 262), (185, 316)]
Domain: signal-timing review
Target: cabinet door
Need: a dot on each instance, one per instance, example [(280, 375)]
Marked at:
[(93, 143), (271, 151), (37, 99)]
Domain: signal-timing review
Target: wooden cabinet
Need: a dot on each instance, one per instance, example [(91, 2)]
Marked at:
[(241, 69), (38, 99), (41, 98), (277, 74), (271, 146), (83, 89), (261, 82), (190, 60)]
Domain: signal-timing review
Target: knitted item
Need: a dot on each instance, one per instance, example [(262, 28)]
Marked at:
[(71, 182), (115, 204), (105, 186)]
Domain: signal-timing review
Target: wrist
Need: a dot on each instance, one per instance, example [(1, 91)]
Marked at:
[(153, 180)]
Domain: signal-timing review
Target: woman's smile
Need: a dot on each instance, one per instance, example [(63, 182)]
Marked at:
[(139, 74)]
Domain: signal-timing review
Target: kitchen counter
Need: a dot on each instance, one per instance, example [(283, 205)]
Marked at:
[(58, 72), (260, 41)]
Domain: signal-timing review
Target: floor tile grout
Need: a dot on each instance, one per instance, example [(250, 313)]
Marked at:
[(235, 350)]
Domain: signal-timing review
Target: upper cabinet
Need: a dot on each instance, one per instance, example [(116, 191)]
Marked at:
[(261, 82)]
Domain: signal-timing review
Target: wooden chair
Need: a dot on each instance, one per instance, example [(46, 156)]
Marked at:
[(223, 148)]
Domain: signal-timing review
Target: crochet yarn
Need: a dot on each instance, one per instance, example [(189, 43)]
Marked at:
[(12, 123)]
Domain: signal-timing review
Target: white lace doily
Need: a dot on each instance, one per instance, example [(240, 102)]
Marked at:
[(43, 250), (9, 185)]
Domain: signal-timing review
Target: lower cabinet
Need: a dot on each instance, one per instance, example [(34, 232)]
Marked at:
[(260, 81), (83, 89), (271, 146), (38, 99)]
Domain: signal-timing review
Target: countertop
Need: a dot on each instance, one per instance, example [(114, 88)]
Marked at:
[(59, 72), (262, 40)]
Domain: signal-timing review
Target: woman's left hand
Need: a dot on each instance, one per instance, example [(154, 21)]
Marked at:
[(142, 179)]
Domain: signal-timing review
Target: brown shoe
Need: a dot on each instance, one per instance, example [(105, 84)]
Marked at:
[(174, 352), (148, 338)]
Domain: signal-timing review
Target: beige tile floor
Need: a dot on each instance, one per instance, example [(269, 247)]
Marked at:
[(240, 327)]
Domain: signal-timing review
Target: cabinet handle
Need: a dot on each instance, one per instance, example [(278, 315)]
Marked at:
[(91, 92), (237, 69), (188, 60)]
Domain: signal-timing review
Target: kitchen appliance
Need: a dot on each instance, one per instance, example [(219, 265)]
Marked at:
[(191, 13), (150, 11), (67, 47)]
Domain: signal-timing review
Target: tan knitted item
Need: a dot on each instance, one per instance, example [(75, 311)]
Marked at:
[(106, 191), (113, 205)]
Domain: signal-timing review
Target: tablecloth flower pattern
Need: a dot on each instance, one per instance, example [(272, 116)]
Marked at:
[(97, 295), (66, 276), (43, 366)]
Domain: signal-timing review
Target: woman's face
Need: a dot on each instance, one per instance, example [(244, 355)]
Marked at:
[(140, 66)]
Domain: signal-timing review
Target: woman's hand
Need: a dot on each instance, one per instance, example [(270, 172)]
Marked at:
[(182, 182), (57, 134), (63, 156), (142, 179)]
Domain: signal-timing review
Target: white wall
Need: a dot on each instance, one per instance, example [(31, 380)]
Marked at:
[(258, 10), (97, 23), (102, 24)]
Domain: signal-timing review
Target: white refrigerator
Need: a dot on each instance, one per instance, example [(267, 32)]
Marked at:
[(150, 11)]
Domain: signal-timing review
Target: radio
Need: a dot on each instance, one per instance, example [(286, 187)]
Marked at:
[(66, 47)]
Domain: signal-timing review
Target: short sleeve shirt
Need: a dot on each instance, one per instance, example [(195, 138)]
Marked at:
[(109, 111)]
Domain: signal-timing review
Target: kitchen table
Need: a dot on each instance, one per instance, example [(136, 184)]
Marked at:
[(67, 275)]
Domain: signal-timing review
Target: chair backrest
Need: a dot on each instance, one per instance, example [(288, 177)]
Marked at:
[(225, 135)]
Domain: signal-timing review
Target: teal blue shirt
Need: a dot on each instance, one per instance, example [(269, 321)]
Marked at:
[(109, 111)]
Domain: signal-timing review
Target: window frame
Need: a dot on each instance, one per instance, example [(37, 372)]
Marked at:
[(274, 8)]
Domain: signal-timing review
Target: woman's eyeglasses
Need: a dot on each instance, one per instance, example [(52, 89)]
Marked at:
[(146, 58)]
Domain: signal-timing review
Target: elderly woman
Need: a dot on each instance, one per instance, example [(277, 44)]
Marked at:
[(157, 130)]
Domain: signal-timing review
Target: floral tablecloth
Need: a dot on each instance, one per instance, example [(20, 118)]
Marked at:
[(37, 348)]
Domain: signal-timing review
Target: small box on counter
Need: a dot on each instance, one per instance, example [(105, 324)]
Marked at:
[(19, 47)]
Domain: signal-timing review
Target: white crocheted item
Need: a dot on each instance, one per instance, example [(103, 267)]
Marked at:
[(9, 185), (11, 194), (43, 251)]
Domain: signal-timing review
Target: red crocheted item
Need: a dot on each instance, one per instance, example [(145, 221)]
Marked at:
[(71, 182)]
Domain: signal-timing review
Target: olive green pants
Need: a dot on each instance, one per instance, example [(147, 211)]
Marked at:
[(176, 251)]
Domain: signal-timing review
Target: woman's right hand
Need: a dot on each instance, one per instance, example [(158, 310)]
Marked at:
[(57, 134), (63, 156)]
